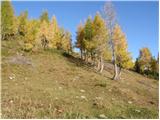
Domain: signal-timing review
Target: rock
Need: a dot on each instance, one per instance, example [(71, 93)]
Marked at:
[(98, 98), (20, 59), (110, 90), (102, 116), (138, 111), (58, 110), (11, 101), (113, 98), (11, 77), (83, 97), (60, 88), (130, 102), (82, 91)]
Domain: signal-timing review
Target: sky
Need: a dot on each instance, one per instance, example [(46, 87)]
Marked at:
[(138, 20)]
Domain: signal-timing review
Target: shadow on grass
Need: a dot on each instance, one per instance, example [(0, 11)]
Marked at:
[(87, 66), (78, 61)]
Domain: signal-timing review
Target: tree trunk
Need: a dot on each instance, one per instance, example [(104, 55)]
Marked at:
[(115, 77), (115, 72), (119, 74), (98, 65), (81, 54), (94, 61), (101, 64), (85, 55)]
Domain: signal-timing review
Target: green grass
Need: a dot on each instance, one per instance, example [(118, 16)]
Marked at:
[(51, 88)]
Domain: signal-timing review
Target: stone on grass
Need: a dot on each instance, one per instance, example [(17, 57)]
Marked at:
[(137, 110), (130, 102), (60, 88), (11, 77), (11, 101), (102, 116), (109, 90), (113, 98), (82, 91), (83, 98), (99, 98)]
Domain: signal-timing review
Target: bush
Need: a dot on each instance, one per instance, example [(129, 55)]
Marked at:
[(28, 47)]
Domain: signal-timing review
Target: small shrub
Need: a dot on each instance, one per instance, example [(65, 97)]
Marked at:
[(28, 47)]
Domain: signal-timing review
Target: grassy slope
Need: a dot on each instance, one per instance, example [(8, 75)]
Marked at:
[(52, 87)]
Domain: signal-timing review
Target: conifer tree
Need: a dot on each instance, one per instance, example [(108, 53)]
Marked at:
[(88, 36), (154, 66), (22, 23), (137, 66), (144, 59), (123, 57), (67, 42), (80, 39), (92, 39), (42, 38), (44, 17), (8, 26), (53, 32), (100, 40), (30, 34)]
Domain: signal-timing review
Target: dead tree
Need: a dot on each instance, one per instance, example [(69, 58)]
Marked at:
[(110, 18)]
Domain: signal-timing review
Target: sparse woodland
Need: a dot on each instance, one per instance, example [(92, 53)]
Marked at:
[(99, 38), (105, 82)]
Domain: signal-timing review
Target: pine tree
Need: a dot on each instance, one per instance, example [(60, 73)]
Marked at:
[(80, 39), (53, 33), (44, 17), (99, 41), (158, 63), (8, 27), (154, 65), (22, 20), (137, 66), (88, 36), (67, 42), (30, 34), (144, 59), (123, 58), (42, 38)]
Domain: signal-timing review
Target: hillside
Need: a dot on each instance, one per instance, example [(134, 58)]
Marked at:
[(48, 84)]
